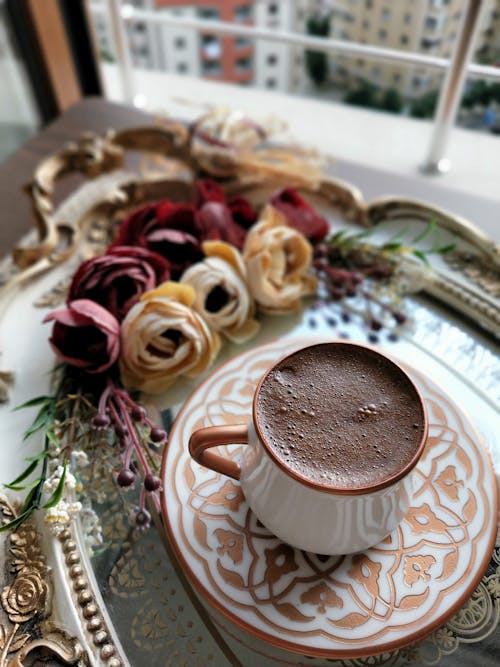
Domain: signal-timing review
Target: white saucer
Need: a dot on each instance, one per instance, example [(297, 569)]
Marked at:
[(347, 607)]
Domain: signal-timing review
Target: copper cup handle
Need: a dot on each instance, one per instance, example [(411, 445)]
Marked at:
[(211, 436)]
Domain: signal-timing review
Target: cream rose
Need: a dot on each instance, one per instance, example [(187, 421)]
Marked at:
[(278, 260), (222, 296), (163, 337)]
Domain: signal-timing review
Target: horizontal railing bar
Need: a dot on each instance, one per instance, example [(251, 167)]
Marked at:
[(309, 42)]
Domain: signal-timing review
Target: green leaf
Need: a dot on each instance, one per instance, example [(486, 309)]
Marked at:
[(39, 400), (391, 246), (442, 250), (337, 236), (57, 495), (399, 235), (23, 487), (17, 521), (39, 457), (44, 417), (28, 501), (421, 255), (23, 475), (432, 224), (52, 437)]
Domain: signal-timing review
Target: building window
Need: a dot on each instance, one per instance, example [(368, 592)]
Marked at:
[(375, 72), (242, 42), (273, 8), (404, 39), (180, 43), (270, 83), (208, 13), (360, 62), (431, 23), (416, 82), (407, 19), (272, 59), (243, 13), (396, 77), (386, 14), (366, 25), (382, 35), (243, 64), (211, 67), (427, 43), (182, 68), (211, 47), (369, 4)]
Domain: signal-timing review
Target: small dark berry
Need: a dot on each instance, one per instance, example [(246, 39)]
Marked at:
[(157, 435), (375, 325), (125, 478), (152, 482), (343, 335), (345, 317), (143, 518), (336, 294), (350, 291), (312, 323), (331, 321), (321, 250), (320, 263), (393, 338), (138, 413), (373, 338), (400, 318), (357, 278), (100, 421), (120, 430)]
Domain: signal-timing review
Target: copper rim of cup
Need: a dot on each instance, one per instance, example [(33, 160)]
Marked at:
[(328, 488)]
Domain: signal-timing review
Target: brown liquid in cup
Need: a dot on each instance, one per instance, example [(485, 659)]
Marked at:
[(340, 415)]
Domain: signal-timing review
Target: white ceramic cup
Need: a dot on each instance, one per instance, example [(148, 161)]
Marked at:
[(306, 514)]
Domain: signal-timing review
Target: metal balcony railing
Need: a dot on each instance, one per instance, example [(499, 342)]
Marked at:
[(456, 68)]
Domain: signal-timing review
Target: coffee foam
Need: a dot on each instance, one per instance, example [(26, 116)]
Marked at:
[(340, 415)]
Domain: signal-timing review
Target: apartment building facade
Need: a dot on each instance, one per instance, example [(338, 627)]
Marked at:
[(203, 54), (423, 26)]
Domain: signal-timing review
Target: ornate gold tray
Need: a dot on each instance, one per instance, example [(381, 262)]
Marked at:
[(131, 604)]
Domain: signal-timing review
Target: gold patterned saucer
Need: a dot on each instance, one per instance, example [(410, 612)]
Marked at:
[(334, 607)]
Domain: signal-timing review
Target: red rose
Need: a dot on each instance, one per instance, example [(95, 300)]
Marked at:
[(207, 190), (171, 230), (117, 280), (85, 335), (217, 224), (219, 219), (242, 211), (300, 215)]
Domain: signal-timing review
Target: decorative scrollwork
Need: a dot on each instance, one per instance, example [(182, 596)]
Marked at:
[(26, 601)]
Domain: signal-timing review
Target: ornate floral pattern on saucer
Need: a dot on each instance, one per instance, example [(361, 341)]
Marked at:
[(337, 607)]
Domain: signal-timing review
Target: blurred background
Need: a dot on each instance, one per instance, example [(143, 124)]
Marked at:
[(388, 58)]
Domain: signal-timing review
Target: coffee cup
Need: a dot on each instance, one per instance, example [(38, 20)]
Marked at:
[(336, 431)]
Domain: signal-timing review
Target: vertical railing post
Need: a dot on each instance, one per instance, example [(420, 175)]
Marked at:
[(123, 59), (451, 90)]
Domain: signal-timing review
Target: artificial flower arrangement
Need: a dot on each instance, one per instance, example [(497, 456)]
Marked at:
[(177, 280)]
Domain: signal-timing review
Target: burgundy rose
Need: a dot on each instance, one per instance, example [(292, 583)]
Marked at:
[(219, 219), (242, 211), (85, 335), (117, 280), (172, 230), (300, 215), (216, 223), (207, 190)]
